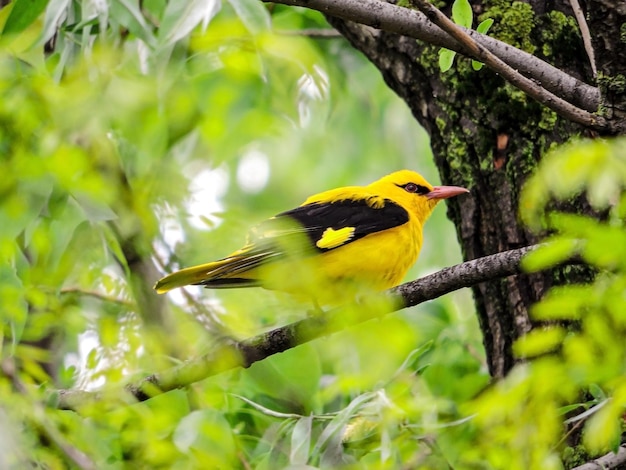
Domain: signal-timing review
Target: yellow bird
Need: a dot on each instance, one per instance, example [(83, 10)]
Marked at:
[(357, 235)]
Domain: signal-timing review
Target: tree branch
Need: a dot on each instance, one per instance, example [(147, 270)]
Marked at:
[(606, 462), (579, 14), (50, 431), (474, 49), (315, 33), (232, 354), (97, 295), (394, 19)]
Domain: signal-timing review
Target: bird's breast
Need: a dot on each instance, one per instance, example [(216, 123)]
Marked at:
[(380, 259)]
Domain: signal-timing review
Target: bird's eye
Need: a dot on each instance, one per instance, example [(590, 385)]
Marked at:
[(415, 188)]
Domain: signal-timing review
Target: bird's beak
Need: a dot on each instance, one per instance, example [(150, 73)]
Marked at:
[(444, 192)]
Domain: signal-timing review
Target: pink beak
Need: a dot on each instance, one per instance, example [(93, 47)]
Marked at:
[(444, 192)]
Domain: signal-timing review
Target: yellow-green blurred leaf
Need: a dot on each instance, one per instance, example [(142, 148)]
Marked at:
[(566, 302), (539, 341), (207, 435), (550, 253), (602, 431)]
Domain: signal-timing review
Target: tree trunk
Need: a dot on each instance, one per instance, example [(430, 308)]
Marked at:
[(488, 136)]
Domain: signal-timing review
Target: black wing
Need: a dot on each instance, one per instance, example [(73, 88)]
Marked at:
[(330, 225), (305, 231)]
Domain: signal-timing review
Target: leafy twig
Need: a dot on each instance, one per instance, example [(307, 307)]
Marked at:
[(528, 86), (394, 19)]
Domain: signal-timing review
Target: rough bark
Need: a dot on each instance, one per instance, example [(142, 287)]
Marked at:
[(607, 23), (488, 136)]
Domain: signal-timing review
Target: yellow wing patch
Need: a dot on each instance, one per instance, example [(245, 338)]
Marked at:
[(333, 238)]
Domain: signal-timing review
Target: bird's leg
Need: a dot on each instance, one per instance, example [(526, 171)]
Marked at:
[(317, 309)]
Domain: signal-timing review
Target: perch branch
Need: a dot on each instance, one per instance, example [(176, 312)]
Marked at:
[(528, 86), (245, 353), (394, 19), (606, 462)]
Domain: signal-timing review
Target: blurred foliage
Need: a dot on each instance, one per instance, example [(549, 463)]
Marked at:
[(140, 137), (574, 377)]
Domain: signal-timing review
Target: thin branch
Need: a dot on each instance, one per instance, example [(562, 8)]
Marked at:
[(277, 414), (394, 19), (97, 295), (230, 355), (579, 14), (606, 462), (78, 457), (316, 33), (528, 86)]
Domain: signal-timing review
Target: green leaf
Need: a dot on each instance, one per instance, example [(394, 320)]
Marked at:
[(588, 411), (62, 230), (476, 65), (180, 18), (129, 15), (301, 441), (252, 14), (338, 423), (462, 13), (52, 400), (550, 254), (574, 225), (81, 26), (282, 377), (561, 303), (113, 245), (602, 430), (446, 58), (22, 209), (23, 14), (605, 246), (92, 359), (94, 211), (563, 410), (206, 434), (539, 341), (411, 363), (596, 392), (604, 186), (15, 307), (55, 11), (484, 26)]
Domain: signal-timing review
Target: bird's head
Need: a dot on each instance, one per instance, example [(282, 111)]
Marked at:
[(414, 193)]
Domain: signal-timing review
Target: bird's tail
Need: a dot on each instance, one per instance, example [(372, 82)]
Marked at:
[(184, 277)]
